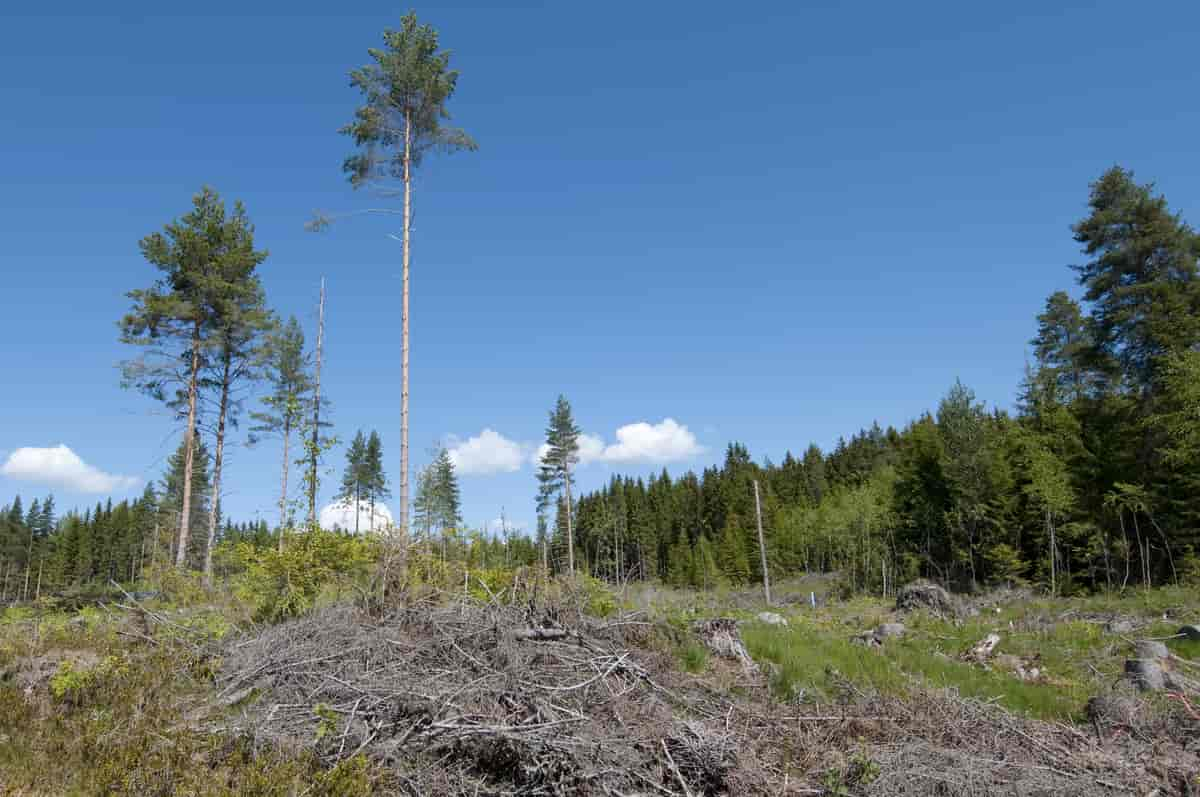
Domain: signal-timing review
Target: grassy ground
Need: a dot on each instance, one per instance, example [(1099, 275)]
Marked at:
[(109, 701), (814, 659)]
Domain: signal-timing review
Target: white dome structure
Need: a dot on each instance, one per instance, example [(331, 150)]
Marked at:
[(340, 516)]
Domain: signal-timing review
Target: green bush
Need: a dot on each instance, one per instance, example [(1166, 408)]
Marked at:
[(281, 585)]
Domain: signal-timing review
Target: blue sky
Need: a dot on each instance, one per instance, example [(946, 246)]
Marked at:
[(769, 222)]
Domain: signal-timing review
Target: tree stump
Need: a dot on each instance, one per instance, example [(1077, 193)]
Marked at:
[(720, 635)]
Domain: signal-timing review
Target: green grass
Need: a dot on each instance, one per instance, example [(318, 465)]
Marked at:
[(693, 657), (817, 659)]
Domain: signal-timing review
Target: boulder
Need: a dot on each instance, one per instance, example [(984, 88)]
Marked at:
[(1119, 625), (888, 630), (1146, 674), (879, 635), (771, 618), (925, 595)]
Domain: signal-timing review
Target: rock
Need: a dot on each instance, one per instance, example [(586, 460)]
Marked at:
[(771, 618), (1146, 674), (879, 635), (1191, 632), (1119, 625), (982, 649), (925, 595), (889, 630), (1150, 649)]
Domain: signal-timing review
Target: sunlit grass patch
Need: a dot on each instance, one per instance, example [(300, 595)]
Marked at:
[(813, 660)]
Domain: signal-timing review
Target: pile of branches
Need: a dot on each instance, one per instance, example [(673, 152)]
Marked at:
[(489, 699)]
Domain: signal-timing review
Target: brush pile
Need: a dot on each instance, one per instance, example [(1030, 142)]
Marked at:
[(469, 698)]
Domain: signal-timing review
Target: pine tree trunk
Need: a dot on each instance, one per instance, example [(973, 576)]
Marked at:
[(316, 432), (214, 505), (189, 437), (356, 502), (37, 595), (404, 341), (287, 439)]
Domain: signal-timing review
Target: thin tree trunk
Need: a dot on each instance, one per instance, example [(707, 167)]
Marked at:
[(1107, 561), (316, 432), (1053, 574), (189, 442), (1142, 551), (356, 502), (762, 545), (570, 529), (287, 439), (1125, 539), (214, 505), (28, 566), (1167, 546), (38, 592), (406, 248)]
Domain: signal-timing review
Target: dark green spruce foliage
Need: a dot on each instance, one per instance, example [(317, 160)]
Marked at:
[(555, 473), (438, 504), (375, 481), (355, 477)]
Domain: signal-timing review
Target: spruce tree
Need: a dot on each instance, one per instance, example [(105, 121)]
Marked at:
[(356, 476), (376, 477), (449, 497), (556, 467)]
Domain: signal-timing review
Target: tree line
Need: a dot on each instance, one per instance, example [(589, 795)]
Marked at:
[(1090, 483)]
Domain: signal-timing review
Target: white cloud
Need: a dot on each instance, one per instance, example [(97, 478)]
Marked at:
[(340, 515), (59, 466), (658, 443), (667, 441), (591, 448), (487, 452)]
